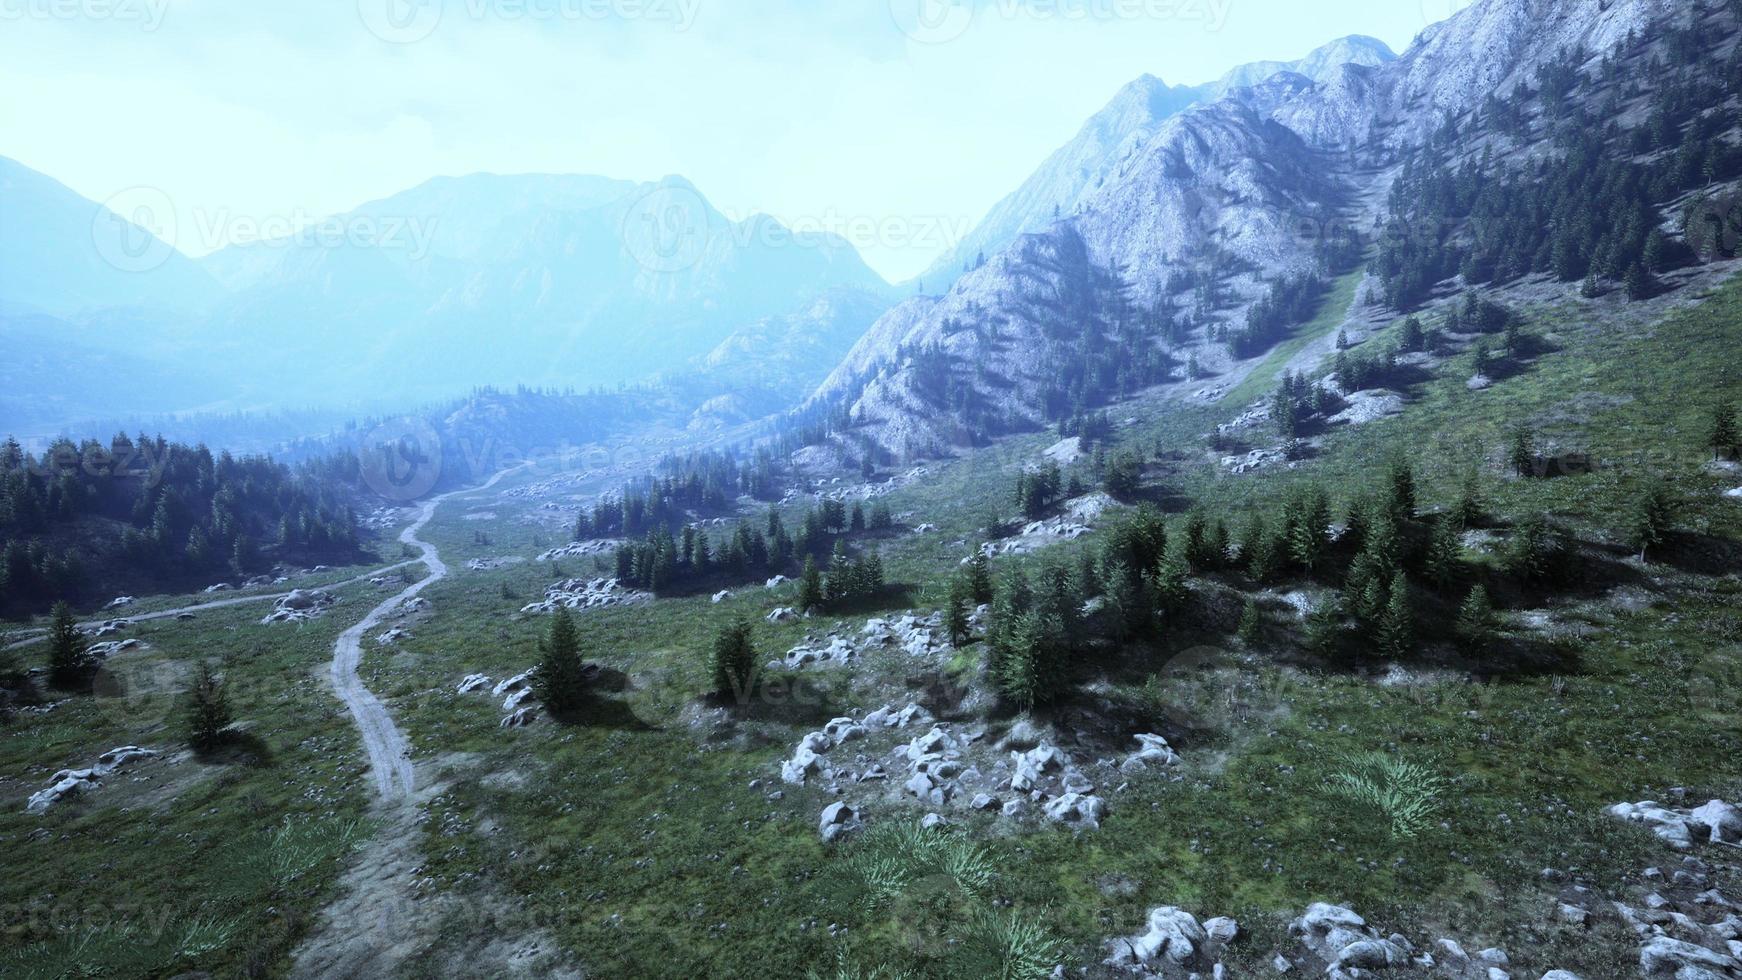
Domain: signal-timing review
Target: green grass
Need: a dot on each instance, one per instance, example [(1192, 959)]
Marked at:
[(637, 842)]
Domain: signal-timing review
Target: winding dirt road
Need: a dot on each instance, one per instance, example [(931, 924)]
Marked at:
[(389, 753)]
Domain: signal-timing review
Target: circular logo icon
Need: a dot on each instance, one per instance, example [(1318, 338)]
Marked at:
[(932, 21), (1714, 226), (1435, 11), (402, 459), (400, 21), (140, 694), (132, 229), (666, 230)]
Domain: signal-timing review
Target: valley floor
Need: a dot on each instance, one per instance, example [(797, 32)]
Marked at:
[(657, 838)]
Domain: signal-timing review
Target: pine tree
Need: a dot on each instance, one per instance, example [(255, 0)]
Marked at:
[(732, 661), (980, 579), (810, 589), (208, 711), (1468, 511), (1251, 623), (1397, 625), (1324, 627), (956, 614), (1309, 521), (1724, 438), (1401, 502), (1653, 515), (1475, 626), (1172, 594), (1523, 456), (69, 659), (1445, 555), (1031, 667), (1411, 338), (560, 681)]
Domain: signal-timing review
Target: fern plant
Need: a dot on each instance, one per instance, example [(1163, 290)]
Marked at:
[(1406, 793)]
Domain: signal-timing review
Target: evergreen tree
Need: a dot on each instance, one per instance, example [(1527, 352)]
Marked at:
[(1724, 438), (1401, 501), (732, 661), (1031, 668), (1468, 511), (1411, 337), (1523, 455), (810, 589), (1652, 516), (980, 579), (1535, 552), (1397, 625), (69, 659), (1172, 594), (1475, 626), (956, 614), (1324, 627), (560, 681), (208, 711), (1251, 623), (1309, 520), (1445, 555)]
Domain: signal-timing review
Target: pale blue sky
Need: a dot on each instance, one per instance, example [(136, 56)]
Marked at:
[(896, 125)]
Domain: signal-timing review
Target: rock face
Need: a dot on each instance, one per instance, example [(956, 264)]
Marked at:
[(69, 782), (598, 593)]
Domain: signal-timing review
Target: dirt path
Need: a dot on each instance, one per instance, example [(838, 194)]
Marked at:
[(39, 635), (379, 922)]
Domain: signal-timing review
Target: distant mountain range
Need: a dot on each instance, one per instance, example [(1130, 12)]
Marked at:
[(568, 281)]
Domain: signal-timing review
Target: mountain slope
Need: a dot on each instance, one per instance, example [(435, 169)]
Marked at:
[(64, 255), (1199, 220), (1080, 168)]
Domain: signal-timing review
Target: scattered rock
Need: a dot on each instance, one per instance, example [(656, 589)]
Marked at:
[(837, 821), (784, 614), (1172, 934), (1716, 822), (722, 596), (473, 682), (300, 606), (392, 636), (120, 602), (596, 593), (579, 549), (69, 782)]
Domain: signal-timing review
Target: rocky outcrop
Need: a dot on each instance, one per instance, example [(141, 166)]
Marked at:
[(598, 593), (1715, 822), (300, 606), (70, 782)]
